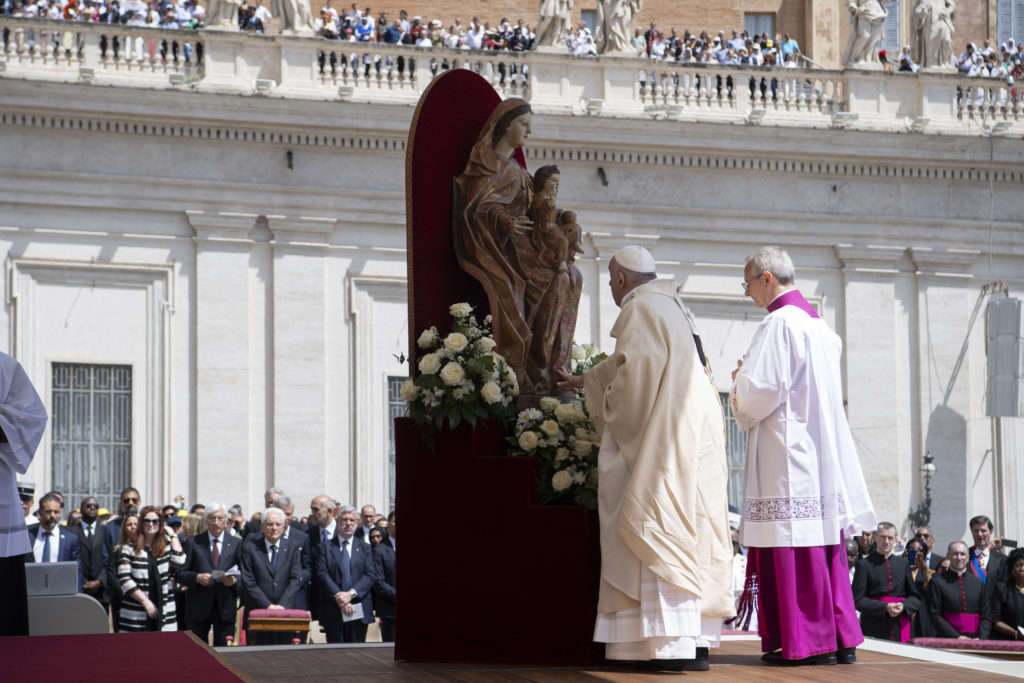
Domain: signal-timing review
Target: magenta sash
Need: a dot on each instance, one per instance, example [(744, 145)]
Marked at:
[(904, 619), (793, 298), (962, 621)]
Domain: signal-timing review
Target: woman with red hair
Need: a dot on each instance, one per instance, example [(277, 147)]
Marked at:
[(144, 572)]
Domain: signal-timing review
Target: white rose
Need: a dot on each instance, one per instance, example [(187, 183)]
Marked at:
[(582, 433), (452, 374), (577, 408), (549, 403), (427, 338), (409, 391), (486, 344), (565, 412), (561, 481), (582, 448), (561, 454), (490, 392), (456, 341), (460, 310), (528, 441), (549, 427), (430, 364), (578, 352)]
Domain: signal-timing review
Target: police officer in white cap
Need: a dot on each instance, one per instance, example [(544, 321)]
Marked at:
[(665, 548)]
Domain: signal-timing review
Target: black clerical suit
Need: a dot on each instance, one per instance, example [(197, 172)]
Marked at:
[(384, 589), (875, 579), (952, 594), (332, 577), (90, 547), (266, 583), (214, 605)]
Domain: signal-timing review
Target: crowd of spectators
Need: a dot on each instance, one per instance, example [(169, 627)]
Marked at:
[(171, 567)]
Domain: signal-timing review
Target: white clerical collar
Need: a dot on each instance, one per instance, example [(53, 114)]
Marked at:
[(961, 572)]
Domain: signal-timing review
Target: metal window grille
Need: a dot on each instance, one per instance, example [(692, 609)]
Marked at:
[(92, 431), (396, 408), (736, 454)]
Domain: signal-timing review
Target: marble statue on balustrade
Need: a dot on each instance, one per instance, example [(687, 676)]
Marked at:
[(296, 17), (533, 300), (932, 43), (555, 20), (615, 25), (868, 19), (222, 15)]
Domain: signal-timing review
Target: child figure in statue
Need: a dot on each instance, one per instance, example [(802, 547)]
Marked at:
[(557, 237)]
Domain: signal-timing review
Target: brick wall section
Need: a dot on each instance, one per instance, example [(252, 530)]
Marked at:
[(974, 18)]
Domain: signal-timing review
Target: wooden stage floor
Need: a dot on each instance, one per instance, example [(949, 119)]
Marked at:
[(739, 659)]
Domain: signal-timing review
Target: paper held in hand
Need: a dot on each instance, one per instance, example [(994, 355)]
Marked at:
[(358, 614)]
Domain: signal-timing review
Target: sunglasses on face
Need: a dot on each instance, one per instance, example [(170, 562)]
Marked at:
[(151, 521), (91, 505), (129, 500)]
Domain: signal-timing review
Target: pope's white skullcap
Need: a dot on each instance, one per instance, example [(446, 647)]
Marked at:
[(634, 258)]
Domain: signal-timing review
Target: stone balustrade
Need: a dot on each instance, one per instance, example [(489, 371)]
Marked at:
[(621, 86)]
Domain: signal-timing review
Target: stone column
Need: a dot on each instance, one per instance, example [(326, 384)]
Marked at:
[(944, 299), (299, 416), (225, 444), (877, 389)]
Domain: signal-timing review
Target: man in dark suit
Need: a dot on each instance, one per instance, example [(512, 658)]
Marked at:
[(884, 590), (298, 539), (367, 516), (50, 541), (985, 561), (269, 496), (271, 573), (933, 560), (90, 539), (210, 571), (384, 586), (345, 575)]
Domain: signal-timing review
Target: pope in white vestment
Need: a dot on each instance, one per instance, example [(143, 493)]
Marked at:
[(22, 421), (666, 552), (802, 485)]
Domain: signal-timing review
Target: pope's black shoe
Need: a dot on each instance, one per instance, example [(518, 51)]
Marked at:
[(776, 659), (698, 663), (847, 655)]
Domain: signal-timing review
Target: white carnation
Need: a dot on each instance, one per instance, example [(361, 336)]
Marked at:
[(490, 393), (452, 374), (578, 477), (528, 441), (561, 454), (561, 481), (456, 341), (460, 310), (486, 344), (582, 448), (427, 338), (549, 403), (409, 391), (430, 364)]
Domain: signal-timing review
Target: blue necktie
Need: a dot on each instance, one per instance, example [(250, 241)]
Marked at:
[(46, 545), (346, 567)]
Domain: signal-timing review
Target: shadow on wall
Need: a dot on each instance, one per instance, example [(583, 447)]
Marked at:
[(947, 442)]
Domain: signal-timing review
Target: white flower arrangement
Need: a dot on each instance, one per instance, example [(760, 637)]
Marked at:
[(562, 436), (460, 376)]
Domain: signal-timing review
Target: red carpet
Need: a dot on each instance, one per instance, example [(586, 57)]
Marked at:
[(135, 657)]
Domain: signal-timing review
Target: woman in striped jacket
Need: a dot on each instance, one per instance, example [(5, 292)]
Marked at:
[(144, 572)]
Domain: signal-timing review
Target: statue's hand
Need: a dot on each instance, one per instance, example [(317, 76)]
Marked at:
[(521, 224)]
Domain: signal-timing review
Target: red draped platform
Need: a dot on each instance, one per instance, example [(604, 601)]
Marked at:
[(484, 575), (135, 657)]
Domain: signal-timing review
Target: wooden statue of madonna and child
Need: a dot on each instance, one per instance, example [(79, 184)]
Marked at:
[(509, 235)]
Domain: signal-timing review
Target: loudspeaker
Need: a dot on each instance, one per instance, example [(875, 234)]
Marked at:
[(1005, 336)]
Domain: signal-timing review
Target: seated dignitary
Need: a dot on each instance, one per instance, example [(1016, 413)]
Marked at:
[(50, 541), (884, 591), (384, 586), (1007, 602), (210, 575), (957, 601), (90, 539), (271, 572), (345, 578)]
